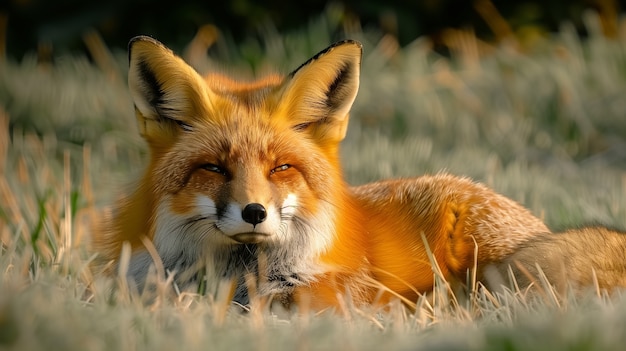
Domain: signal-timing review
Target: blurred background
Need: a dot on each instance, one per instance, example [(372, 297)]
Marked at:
[(526, 96), (60, 25)]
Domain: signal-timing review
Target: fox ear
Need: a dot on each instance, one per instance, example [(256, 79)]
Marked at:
[(317, 96), (166, 91)]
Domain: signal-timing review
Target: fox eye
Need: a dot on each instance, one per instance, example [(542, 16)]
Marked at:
[(280, 168), (214, 168), (301, 127), (186, 127)]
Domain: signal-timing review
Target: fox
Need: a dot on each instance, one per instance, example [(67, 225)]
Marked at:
[(246, 178)]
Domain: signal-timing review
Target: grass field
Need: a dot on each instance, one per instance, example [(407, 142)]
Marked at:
[(544, 124)]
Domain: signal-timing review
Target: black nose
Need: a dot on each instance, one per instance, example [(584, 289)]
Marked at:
[(254, 213)]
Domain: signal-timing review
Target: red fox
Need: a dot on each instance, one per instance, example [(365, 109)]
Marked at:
[(240, 171)]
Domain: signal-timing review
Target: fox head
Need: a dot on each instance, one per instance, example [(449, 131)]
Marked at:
[(242, 163)]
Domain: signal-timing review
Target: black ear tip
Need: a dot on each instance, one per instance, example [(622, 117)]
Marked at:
[(142, 38), (355, 43), (348, 41)]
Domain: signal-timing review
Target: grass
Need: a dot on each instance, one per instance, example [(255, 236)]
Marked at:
[(543, 124)]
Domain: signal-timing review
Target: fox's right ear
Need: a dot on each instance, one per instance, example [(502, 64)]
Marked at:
[(168, 93)]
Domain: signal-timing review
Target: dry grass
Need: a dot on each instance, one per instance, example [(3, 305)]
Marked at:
[(544, 126)]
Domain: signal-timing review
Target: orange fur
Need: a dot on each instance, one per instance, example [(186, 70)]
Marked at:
[(239, 171)]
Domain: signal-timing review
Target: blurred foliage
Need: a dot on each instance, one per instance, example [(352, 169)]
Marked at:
[(61, 24)]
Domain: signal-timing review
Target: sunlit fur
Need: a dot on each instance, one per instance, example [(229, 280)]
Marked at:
[(578, 258), (217, 145)]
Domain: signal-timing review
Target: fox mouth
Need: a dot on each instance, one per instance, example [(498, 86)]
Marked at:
[(249, 238)]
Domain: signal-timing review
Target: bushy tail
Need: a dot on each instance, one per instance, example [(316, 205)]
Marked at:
[(578, 258)]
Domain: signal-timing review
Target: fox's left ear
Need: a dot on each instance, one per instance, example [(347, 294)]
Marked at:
[(317, 96)]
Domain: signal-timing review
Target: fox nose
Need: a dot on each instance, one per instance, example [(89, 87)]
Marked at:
[(254, 213)]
